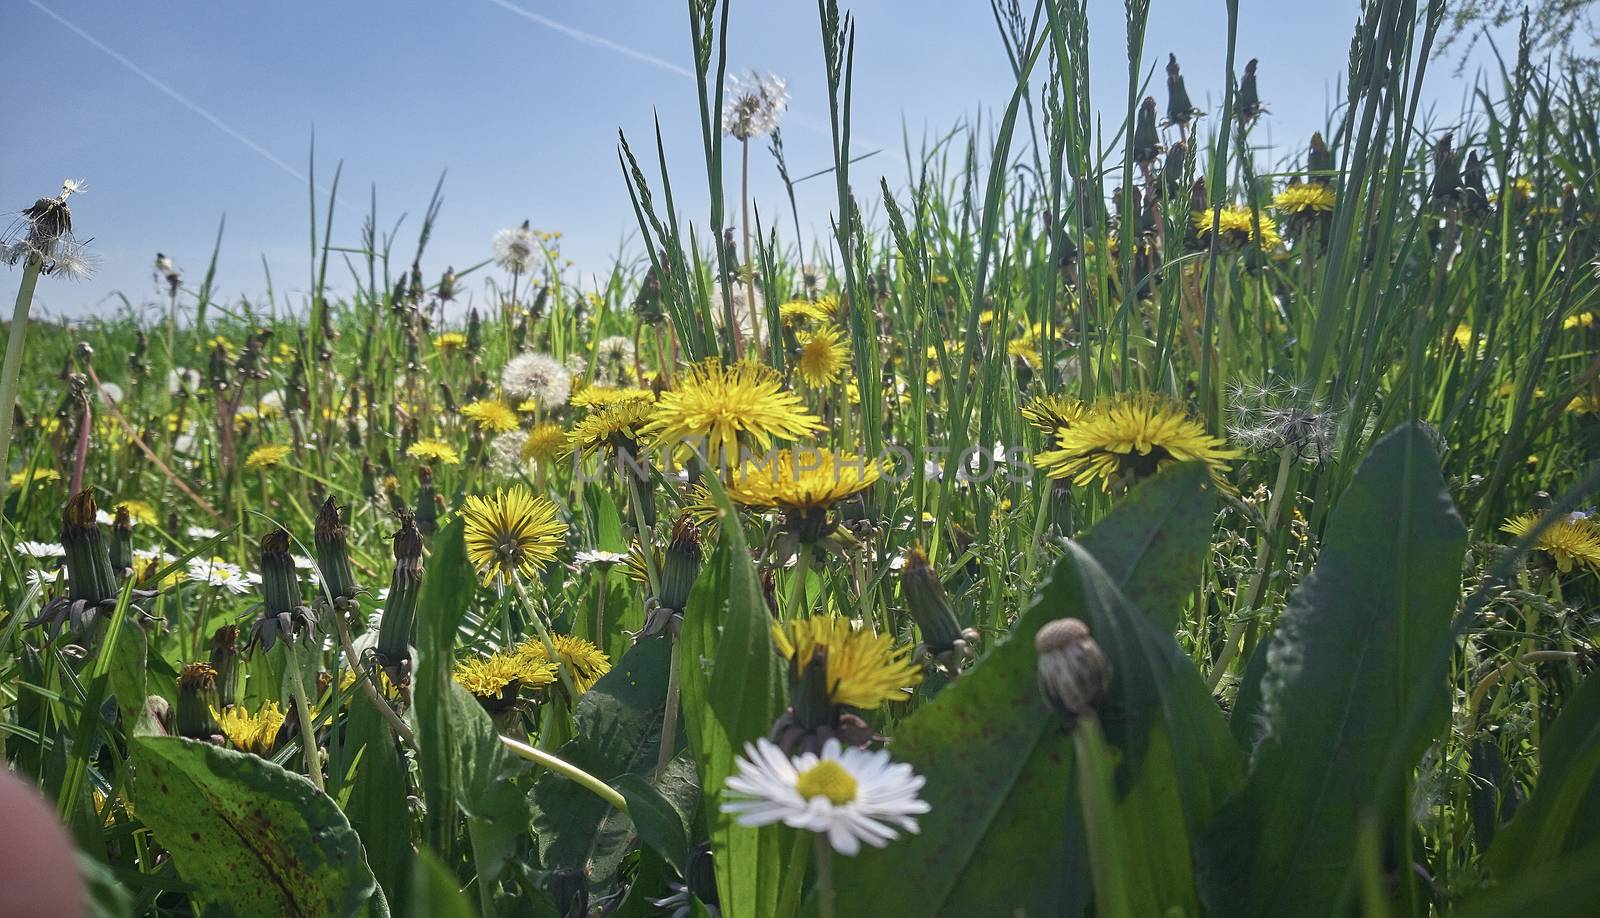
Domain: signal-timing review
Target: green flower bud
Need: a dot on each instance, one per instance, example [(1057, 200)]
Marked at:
[(395, 631), (333, 554), (197, 695)]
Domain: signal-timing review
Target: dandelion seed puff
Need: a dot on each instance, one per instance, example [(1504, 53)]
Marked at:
[(514, 248), (539, 378), (746, 312), (754, 104)]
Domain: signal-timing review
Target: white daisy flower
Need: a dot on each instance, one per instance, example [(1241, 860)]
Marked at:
[(537, 377), (200, 532), (220, 574), (40, 550), (514, 248), (852, 795), (754, 104), (301, 562), (40, 579), (596, 556)]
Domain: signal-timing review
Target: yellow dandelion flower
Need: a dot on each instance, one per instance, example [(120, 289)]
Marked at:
[(544, 442), (586, 662), (1129, 440), (1572, 542), (1051, 414), (864, 670), (806, 480), (1304, 198), (510, 533), (450, 341), (595, 397), (618, 426), (490, 415), (1583, 404), (799, 312), (1025, 349), (434, 451), (1581, 320), (265, 457), (723, 404), (1238, 225), (494, 680), (255, 733), (824, 356), (34, 476)]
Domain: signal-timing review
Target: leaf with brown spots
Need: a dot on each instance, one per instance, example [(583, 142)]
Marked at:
[(249, 837)]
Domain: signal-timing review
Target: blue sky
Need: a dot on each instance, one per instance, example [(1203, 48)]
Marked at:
[(523, 113)]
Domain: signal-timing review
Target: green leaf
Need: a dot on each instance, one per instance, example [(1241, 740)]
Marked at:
[(376, 803), (1338, 682), (660, 823), (1563, 814), (448, 585), (1003, 834), (489, 784), (433, 892), (249, 837), (618, 734), (732, 691)]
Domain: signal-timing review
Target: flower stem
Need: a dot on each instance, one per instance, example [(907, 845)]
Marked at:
[(827, 900), (669, 719), (12, 370), (797, 590), (544, 638), (308, 735), (567, 770)]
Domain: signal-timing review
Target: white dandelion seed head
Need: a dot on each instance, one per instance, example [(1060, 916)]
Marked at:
[(537, 377), (614, 360), (71, 187), (111, 393), (851, 795), (746, 313), (576, 364), (505, 453), (753, 104), (515, 248)]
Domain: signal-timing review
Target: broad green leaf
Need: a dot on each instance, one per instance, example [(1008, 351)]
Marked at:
[(249, 837), (1338, 681), (1563, 814), (732, 692), (432, 891), (659, 822), (618, 734), (1003, 834), (1559, 888), (489, 784), (376, 803), (448, 585)]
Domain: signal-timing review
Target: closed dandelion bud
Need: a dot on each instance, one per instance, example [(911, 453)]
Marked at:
[(1074, 673), (393, 650), (391, 490), (926, 599), (1180, 111), (89, 571), (283, 610), (225, 660), (1249, 107), (1446, 172), (1199, 203), (447, 400), (447, 285), (333, 554), (1319, 162), (427, 502), (1146, 139), (1569, 206), (352, 432), (701, 876), (1173, 169), (474, 331), (369, 480), (218, 368), (1474, 194), (121, 550), (1062, 509), (682, 565), (197, 695)]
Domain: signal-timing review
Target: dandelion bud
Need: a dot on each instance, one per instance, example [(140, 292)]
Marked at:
[(1180, 111), (682, 565), (1249, 106), (333, 554), (943, 638), (393, 650), (225, 660), (1074, 673), (474, 331), (283, 610), (1146, 139), (447, 285), (427, 502), (1173, 169), (1569, 206), (92, 585), (121, 550), (701, 877), (1319, 162), (1446, 172), (197, 695)]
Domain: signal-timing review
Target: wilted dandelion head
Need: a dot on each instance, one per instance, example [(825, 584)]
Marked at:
[(515, 248), (864, 669), (44, 232), (511, 533), (254, 733), (538, 378), (753, 104)]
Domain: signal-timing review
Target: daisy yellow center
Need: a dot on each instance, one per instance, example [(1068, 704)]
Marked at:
[(827, 779)]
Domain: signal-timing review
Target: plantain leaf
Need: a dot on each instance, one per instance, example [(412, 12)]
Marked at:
[(448, 585), (1563, 814), (1003, 835), (1337, 684), (249, 837)]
